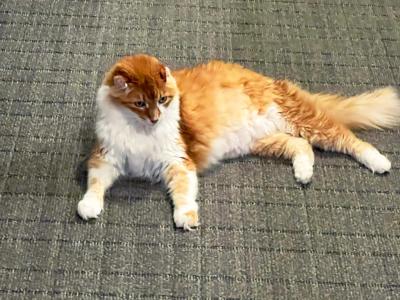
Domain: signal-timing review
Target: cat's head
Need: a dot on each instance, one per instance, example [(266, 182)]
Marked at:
[(142, 84)]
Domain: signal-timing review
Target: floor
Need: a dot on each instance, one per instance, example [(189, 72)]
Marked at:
[(262, 235)]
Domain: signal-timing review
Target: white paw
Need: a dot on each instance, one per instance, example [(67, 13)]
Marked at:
[(375, 161), (303, 168), (90, 206), (187, 216)]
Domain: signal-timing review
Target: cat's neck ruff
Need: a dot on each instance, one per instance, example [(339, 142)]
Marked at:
[(131, 142)]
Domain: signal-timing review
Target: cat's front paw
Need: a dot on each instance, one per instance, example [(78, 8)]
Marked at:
[(90, 206), (303, 168), (187, 217)]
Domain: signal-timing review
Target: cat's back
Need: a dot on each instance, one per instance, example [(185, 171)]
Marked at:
[(214, 74)]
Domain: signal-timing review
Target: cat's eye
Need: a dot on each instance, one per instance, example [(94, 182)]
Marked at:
[(162, 99), (140, 104)]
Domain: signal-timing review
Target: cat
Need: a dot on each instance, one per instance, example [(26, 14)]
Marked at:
[(168, 126)]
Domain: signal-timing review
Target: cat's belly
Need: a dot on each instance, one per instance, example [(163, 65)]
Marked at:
[(237, 140), (150, 164)]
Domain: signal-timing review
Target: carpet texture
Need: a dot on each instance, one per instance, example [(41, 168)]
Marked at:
[(262, 235)]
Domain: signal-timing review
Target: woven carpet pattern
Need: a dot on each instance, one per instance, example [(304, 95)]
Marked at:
[(262, 235)]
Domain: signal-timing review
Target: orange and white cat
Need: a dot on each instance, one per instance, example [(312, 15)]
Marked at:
[(168, 126)]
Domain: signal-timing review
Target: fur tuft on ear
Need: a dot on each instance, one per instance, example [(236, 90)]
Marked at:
[(120, 82), (167, 72)]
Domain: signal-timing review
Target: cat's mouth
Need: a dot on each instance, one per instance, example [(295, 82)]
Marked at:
[(152, 123)]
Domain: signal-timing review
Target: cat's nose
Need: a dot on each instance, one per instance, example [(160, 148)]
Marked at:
[(154, 121)]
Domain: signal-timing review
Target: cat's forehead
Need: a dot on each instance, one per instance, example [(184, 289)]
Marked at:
[(141, 70)]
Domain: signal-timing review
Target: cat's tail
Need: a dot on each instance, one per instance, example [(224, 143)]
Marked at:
[(377, 109)]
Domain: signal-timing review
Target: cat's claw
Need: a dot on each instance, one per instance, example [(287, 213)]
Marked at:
[(188, 228), (90, 207), (186, 219)]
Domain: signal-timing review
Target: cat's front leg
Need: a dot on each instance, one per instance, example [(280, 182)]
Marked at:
[(101, 175), (181, 180)]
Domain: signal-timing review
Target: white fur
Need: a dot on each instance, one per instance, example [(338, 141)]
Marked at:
[(90, 206), (183, 220), (303, 168), (193, 186), (374, 161), (135, 146), (237, 140)]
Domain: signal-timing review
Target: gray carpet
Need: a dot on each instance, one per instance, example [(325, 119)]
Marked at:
[(262, 236)]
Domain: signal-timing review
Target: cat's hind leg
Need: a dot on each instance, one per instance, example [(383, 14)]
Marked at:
[(311, 118), (340, 139), (295, 148), (101, 175)]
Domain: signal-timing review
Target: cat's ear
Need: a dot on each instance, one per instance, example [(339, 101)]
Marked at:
[(163, 73), (120, 82)]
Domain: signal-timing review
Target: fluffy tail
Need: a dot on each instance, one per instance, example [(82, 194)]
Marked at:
[(377, 109)]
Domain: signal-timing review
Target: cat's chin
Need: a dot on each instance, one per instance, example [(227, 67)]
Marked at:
[(148, 126), (145, 125)]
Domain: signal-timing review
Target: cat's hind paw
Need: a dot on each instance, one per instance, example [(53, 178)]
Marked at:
[(90, 206), (375, 161), (186, 217), (303, 168)]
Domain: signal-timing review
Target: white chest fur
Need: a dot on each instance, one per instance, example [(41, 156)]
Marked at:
[(237, 140), (134, 147)]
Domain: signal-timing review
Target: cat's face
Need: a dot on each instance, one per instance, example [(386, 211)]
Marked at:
[(143, 85)]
